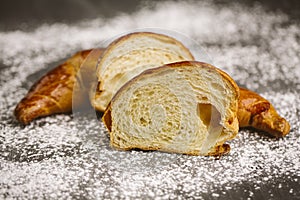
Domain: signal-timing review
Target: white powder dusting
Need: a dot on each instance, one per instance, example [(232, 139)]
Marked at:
[(59, 157)]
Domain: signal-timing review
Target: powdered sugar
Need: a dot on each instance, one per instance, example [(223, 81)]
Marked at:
[(63, 157)]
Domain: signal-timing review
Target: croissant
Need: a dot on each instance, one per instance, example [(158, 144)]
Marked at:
[(184, 107), (53, 92), (257, 112), (130, 55)]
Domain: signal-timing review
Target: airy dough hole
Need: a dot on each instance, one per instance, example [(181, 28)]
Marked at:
[(209, 115), (230, 121), (211, 118), (143, 121)]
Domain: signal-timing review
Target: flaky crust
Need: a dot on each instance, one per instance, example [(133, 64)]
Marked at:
[(257, 112), (53, 92)]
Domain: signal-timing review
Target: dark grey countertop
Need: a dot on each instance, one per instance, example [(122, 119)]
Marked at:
[(69, 157)]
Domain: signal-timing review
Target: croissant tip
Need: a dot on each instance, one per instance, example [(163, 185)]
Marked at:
[(286, 127), (21, 116), (26, 111)]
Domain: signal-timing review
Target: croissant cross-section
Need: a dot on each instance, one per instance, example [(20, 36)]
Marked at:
[(183, 107), (130, 55)]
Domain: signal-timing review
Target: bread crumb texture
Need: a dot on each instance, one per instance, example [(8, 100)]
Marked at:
[(164, 109), (66, 157)]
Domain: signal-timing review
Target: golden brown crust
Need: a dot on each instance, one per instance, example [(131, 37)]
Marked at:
[(257, 112), (106, 118), (52, 93), (220, 150)]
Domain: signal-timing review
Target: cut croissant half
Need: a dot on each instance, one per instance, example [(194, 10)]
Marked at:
[(184, 107), (130, 55)]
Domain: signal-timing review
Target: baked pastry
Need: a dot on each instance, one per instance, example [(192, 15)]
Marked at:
[(53, 92), (130, 55), (257, 112), (184, 107), (69, 82)]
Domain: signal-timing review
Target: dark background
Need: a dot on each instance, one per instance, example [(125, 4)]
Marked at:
[(20, 14)]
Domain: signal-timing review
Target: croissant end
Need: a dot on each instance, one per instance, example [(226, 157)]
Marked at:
[(257, 112), (52, 93)]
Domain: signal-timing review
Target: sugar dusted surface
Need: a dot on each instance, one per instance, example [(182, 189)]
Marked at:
[(69, 157)]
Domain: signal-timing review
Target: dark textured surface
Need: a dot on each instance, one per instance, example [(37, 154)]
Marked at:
[(64, 156), (16, 14)]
